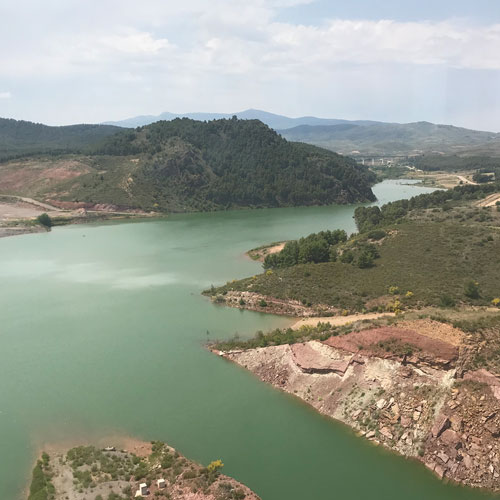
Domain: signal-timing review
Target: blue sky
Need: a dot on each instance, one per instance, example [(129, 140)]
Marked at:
[(477, 11), (69, 61)]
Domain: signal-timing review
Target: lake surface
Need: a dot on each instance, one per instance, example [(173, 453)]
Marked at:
[(102, 333)]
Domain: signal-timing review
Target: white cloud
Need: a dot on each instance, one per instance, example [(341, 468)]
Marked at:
[(5, 95), (226, 55)]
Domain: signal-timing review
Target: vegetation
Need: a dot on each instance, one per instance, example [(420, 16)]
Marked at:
[(280, 337), (393, 138), (41, 487), (118, 472), (368, 218), (431, 250), (231, 163), (187, 165), (21, 138), (45, 220), (455, 163), (314, 248)]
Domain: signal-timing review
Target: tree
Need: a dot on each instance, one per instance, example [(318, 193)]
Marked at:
[(45, 220)]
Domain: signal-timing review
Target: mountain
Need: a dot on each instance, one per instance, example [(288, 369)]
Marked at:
[(392, 138), (272, 120), (22, 137)]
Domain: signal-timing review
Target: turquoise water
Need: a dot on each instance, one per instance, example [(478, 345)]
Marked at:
[(102, 333)]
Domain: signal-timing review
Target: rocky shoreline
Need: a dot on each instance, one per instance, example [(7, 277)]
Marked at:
[(403, 387)]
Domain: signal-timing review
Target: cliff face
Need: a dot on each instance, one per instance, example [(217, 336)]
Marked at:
[(403, 395)]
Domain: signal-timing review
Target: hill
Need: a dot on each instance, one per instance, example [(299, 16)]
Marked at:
[(393, 138), (19, 138), (187, 165), (272, 120), (442, 248)]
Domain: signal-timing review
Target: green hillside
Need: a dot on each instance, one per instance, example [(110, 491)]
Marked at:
[(437, 249), (187, 165), (191, 165), (18, 138)]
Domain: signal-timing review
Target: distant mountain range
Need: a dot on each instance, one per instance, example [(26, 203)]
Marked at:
[(356, 137), (395, 139), (274, 121), (360, 138)]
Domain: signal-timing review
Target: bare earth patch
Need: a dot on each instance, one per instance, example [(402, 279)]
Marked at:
[(339, 320)]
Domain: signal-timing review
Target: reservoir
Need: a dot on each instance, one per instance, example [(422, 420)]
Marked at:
[(103, 331)]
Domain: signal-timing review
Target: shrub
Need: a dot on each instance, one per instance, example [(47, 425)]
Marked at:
[(262, 303), (471, 290), (45, 220), (446, 301), (376, 234), (496, 301)]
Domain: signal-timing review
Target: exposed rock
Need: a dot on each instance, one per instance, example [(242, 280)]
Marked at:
[(451, 438), (386, 433), (440, 471), (440, 425), (493, 428), (313, 357)]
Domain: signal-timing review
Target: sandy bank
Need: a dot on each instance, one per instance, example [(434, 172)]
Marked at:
[(260, 253), (339, 320)]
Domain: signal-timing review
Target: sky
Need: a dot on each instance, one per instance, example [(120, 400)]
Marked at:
[(89, 61)]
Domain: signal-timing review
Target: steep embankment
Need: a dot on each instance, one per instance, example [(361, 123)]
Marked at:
[(412, 386)]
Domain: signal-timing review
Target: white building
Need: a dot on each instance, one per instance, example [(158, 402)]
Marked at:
[(161, 483)]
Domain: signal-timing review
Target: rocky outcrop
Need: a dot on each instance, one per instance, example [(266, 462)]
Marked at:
[(263, 303), (412, 404)]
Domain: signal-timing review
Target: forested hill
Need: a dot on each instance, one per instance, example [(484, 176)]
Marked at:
[(187, 164), (19, 137)]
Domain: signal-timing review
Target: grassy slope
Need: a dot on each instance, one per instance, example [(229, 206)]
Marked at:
[(432, 256)]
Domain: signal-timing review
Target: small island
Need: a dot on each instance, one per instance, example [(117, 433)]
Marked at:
[(148, 470)]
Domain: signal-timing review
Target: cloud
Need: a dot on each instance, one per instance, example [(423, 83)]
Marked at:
[(124, 57), (5, 95)]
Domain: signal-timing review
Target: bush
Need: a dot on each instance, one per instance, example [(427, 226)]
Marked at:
[(446, 301), (376, 234), (471, 290), (45, 220)]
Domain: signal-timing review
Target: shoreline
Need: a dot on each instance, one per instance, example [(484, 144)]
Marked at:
[(379, 399)]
